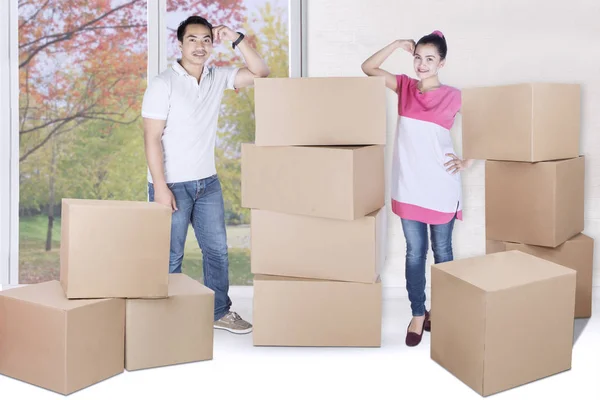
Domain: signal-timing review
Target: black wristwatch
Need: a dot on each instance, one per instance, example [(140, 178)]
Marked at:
[(239, 39)]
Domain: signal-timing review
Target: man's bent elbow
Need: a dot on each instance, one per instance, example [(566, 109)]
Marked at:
[(264, 73)]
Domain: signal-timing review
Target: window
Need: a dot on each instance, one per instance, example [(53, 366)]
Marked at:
[(79, 69), (82, 72)]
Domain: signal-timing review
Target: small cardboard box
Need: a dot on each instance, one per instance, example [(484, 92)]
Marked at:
[(321, 111), (174, 330), (307, 312), (318, 248), (502, 320), (521, 122), (114, 249), (59, 344), (346, 182), (539, 204)]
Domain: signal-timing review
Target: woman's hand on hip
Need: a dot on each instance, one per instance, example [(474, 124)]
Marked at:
[(456, 164)]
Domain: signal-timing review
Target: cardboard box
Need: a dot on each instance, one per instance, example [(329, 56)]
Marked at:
[(534, 203), (175, 330), (521, 122), (319, 248), (58, 344), (576, 253), (502, 320), (114, 249), (330, 182), (320, 111), (317, 313)]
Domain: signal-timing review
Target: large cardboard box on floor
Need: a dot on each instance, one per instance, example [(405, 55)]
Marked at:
[(174, 330), (114, 249), (534, 203), (59, 344), (521, 122), (576, 253), (319, 248), (502, 320), (320, 111), (340, 182), (306, 312)]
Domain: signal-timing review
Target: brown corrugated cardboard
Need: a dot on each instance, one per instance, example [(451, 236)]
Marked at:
[(576, 253), (114, 249), (320, 111), (340, 182), (534, 203), (319, 248), (502, 320), (304, 312), (59, 344), (521, 122), (175, 330)]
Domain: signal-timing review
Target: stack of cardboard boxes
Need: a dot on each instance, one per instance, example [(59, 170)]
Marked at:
[(314, 181), (506, 318), (529, 135), (116, 306)]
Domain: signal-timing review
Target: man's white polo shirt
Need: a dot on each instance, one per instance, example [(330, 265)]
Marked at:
[(191, 111)]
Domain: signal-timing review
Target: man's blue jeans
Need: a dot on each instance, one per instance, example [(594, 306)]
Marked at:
[(417, 245), (200, 203)]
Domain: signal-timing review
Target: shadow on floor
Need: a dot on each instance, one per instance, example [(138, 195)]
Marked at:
[(579, 327)]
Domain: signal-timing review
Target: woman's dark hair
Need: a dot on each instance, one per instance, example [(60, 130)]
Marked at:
[(437, 39), (193, 20)]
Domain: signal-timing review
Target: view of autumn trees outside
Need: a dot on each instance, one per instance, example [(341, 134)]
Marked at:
[(82, 76)]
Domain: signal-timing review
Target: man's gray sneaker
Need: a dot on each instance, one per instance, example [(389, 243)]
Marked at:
[(233, 323)]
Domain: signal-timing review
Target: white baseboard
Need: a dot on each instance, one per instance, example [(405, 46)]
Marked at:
[(6, 287)]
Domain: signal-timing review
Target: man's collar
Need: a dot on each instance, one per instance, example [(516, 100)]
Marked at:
[(181, 71)]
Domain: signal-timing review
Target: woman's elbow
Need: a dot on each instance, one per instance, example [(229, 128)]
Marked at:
[(365, 68)]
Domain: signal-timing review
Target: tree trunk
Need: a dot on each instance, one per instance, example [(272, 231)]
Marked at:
[(51, 198)]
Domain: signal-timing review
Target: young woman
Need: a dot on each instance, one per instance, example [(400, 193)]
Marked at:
[(426, 188)]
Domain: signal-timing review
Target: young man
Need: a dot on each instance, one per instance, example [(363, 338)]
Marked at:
[(180, 112)]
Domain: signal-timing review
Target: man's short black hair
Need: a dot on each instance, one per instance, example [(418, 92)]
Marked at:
[(193, 20)]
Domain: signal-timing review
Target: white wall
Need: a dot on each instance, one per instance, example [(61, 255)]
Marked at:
[(489, 42)]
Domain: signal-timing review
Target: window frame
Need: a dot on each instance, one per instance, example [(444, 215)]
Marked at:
[(9, 144)]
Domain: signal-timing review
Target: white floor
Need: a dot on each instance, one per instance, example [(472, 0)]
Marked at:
[(240, 370)]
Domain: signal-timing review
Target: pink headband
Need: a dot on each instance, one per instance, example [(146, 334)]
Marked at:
[(437, 33)]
